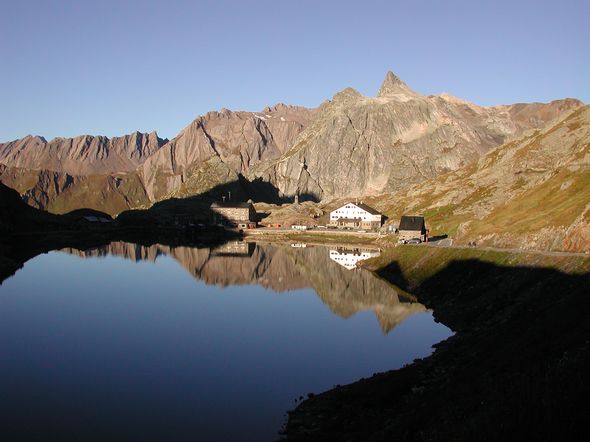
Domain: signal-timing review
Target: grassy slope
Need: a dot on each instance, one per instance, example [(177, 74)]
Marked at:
[(417, 264), (60, 193), (533, 187)]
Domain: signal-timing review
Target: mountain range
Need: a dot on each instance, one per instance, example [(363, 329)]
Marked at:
[(137, 170), (399, 149), (362, 146)]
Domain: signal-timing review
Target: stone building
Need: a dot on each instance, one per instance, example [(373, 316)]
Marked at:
[(233, 214), (356, 216), (412, 227)]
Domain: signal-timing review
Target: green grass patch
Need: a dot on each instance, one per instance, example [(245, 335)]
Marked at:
[(331, 239), (418, 263), (546, 205)]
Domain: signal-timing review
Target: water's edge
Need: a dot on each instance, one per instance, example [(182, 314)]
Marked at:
[(520, 354)]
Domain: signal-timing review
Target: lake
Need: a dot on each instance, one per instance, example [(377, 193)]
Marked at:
[(127, 342)]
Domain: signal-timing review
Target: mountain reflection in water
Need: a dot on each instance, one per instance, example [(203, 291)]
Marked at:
[(191, 343), (330, 272)]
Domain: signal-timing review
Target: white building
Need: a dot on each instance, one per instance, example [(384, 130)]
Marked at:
[(356, 215)]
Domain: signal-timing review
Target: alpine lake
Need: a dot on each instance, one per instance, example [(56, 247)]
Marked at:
[(161, 343)]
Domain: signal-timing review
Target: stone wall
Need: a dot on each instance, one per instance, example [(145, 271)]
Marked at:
[(235, 214)]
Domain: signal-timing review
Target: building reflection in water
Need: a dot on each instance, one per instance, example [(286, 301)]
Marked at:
[(234, 248), (348, 257)]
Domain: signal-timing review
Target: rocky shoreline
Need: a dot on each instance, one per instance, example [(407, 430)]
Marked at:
[(516, 368)]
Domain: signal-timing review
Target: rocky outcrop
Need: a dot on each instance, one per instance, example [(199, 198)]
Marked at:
[(238, 140), (361, 146), (83, 155), (530, 193), (137, 170)]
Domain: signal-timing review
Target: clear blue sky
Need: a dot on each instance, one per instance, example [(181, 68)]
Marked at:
[(112, 67)]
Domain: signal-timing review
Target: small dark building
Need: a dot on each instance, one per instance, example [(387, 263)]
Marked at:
[(411, 227), (233, 213)]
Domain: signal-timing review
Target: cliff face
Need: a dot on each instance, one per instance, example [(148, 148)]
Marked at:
[(137, 170), (83, 155), (362, 146), (532, 192), (218, 146)]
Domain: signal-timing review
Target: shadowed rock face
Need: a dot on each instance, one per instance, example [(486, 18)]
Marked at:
[(282, 268), (17, 216), (516, 369), (227, 142), (384, 143), (60, 192), (65, 174)]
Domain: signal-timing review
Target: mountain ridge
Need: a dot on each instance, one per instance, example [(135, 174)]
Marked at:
[(399, 138), (350, 146), (81, 155), (530, 193)]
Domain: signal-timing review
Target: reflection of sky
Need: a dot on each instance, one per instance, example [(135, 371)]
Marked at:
[(106, 346)]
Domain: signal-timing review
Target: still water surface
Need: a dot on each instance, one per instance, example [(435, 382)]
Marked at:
[(127, 342)]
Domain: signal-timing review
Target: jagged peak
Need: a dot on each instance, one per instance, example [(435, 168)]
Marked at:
[(277, 107), (34, 137), (393, 85), (453, 99), (154, 135), (346, 94)]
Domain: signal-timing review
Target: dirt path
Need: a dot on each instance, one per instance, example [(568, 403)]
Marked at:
[(445, 244)]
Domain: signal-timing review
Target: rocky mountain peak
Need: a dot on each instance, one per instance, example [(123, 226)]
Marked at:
[(35, 138), (393, 85), (277, 108), (81, 155), (346, 95)]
